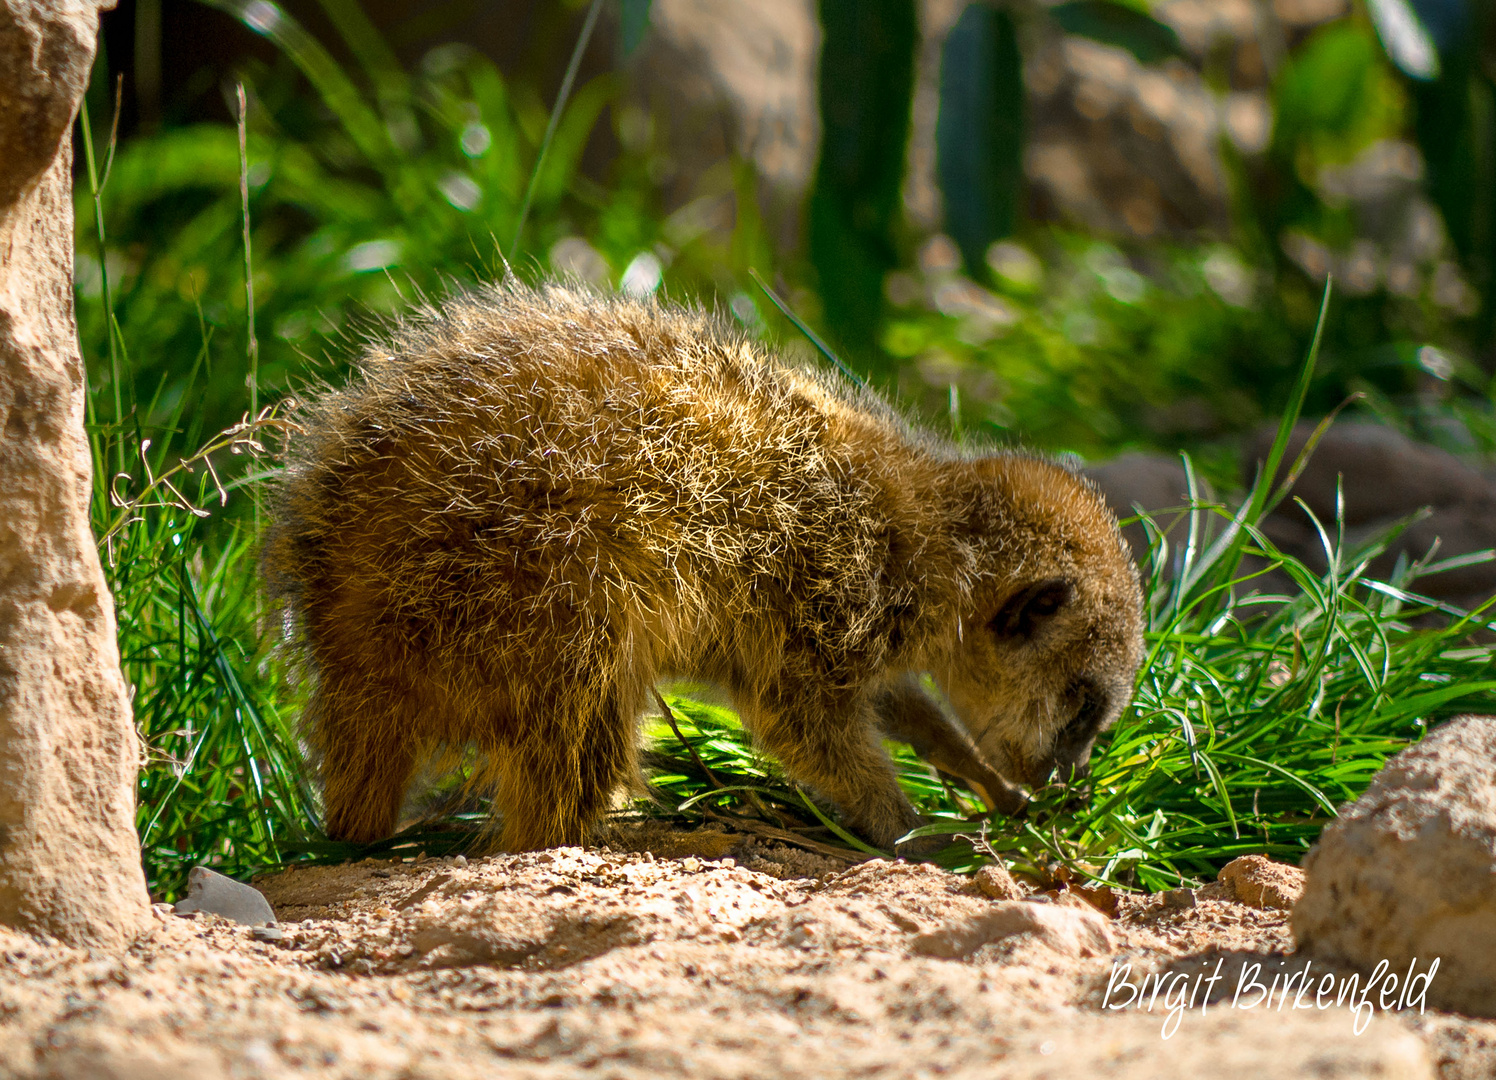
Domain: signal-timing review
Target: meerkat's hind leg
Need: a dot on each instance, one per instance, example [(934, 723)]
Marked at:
[(556, 777), (838, 755), (907, 712), (367, 756)]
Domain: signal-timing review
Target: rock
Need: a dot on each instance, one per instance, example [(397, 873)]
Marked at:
[(733, 81), (1179, 898), (1121, 147), (1408, 870), (993, 880), (69, 855), (1259, 882), (1114, 144), (1072, 931), (1385, 474), (1387, 477), (215, 894), (1152, 482)]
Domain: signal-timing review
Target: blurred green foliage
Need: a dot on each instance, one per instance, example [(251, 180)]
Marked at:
[(866, 85), (374, 187), (360, 203)]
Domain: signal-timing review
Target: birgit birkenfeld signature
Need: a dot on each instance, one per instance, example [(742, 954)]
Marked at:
[(1293, 985)]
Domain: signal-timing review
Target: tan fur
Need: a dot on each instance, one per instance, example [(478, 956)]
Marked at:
[(531, 505)]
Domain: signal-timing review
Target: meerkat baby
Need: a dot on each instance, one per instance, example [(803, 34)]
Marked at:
[(531, 505)]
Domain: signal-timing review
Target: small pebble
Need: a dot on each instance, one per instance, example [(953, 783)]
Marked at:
[(690, 864), (994, 882), (460, 861), (1179, 898), (267, 933)]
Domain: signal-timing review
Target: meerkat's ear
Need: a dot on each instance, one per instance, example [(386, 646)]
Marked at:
[(1030, 607)]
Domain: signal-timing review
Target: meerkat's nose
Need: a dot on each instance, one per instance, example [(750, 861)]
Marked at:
[(1072, 749)]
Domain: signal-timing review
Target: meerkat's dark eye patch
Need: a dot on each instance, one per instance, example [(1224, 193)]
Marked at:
[(1030, 607)]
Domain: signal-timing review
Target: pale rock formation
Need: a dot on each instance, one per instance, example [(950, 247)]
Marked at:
[(69, 857)]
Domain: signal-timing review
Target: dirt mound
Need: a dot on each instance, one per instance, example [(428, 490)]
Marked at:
[(592, 962)]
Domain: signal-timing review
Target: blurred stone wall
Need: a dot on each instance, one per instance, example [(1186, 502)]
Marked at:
[(1114, 145)]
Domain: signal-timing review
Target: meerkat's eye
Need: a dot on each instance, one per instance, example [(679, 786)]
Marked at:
[(1028, 608)]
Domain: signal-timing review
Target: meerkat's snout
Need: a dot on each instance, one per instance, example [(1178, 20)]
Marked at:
[(1072, 748), (1051, 741)]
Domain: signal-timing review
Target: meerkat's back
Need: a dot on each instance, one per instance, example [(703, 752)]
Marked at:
[(530, 507)]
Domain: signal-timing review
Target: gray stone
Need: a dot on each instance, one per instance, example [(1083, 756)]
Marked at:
[(1151, 482), (1387, 477), (1409, 869), (216, 894), (1385, 474)]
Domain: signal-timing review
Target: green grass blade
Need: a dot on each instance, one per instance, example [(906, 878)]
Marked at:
[(841, 834), (810, 335), (337, 91), (550, 129)]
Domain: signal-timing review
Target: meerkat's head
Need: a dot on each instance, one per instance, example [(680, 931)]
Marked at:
[(1051, 636)]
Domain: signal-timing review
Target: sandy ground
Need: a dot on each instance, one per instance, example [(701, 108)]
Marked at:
[(599, 963)]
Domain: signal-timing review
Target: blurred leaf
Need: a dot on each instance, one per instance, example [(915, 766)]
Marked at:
[(1455, 123), (206, 157), (1117, 24), (866, 87), (979, 133), (317, 64), (1323, 86), (379, 62), (633, 22), (372, 52), (1403, 35), (1326, 85), (571, 136)]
